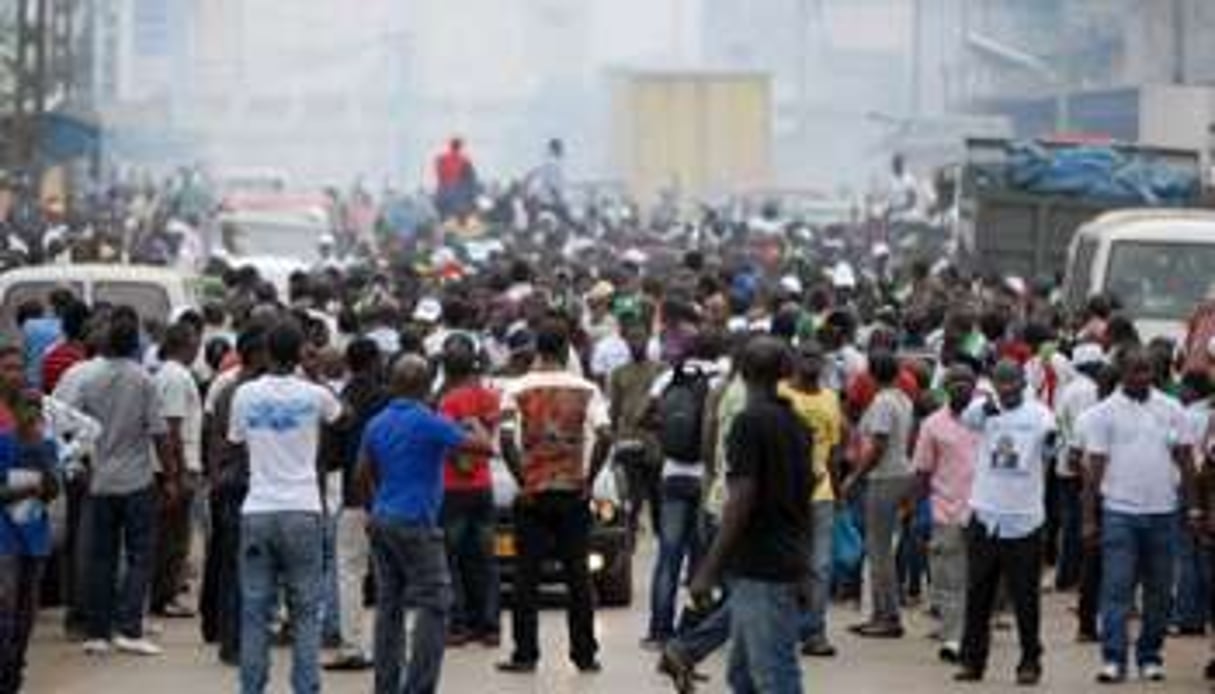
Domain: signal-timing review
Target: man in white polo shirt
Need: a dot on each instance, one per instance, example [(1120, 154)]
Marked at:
[(1139, 458)]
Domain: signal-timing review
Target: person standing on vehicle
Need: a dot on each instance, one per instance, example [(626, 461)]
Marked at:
[(469, 516), (944, 460), (886, 473), (1138, 442), (121, 506), (765, 529), (551, 421), (677, 405), (401, 470), (636, 450), (1008, 512), (278, 417)]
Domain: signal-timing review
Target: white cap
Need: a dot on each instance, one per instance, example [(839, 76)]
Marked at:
[(791, 284), (880, 250), (428, 310), (1088, 353), (634, 256), (1015, 285), (843, 276)]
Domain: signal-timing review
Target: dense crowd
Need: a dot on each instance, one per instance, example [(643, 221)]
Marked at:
[(807, 416)]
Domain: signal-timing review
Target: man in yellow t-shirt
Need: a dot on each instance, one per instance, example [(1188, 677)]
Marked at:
[(819, 408)]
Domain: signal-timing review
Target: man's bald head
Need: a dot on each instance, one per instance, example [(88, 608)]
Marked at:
[(410, 377)]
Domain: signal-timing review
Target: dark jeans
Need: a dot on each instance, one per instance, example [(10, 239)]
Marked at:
[(1191, 608), (1018, 563), (73, 580), (19, 577), (677, 541), (411, 573), (126, 524), (1067, 562), (643, 483), (173, 546), (1137, 551), (1090, 589), (468, 518), (562, 520)]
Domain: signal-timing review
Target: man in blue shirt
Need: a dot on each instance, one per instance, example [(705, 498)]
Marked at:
[(401, 464)]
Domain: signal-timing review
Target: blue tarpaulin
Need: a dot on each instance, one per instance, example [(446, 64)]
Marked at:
[(1099, 173)]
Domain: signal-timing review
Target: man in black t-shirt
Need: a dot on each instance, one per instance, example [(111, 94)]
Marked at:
[(765, 528)]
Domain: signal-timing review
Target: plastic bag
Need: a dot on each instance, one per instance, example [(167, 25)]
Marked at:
[(847, 545)]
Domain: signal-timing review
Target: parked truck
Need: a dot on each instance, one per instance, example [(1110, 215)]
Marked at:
[(1017, 205), (691, 134)]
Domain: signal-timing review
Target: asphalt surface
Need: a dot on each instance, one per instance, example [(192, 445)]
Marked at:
[(905, 666)]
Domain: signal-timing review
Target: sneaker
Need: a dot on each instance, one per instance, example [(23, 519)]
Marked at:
[(97, 647), (878, 630), (521, 667), (1029, 674), (1152, 672), (968, 674), (1111, 673), (653, 644), (674, 665), (349, 662), (139, 646), (176, 610), (950, 653), (818, 648), (589, 667)]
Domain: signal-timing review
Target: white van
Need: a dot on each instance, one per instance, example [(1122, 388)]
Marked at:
[(1159, 263), (156, 293)]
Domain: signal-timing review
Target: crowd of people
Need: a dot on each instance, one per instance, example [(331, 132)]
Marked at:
[(803, 427)]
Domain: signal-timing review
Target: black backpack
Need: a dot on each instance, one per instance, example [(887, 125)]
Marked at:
[(681, 413)]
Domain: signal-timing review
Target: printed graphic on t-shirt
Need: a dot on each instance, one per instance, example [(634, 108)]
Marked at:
[(279, 415), (1005, 457), (553, 436)]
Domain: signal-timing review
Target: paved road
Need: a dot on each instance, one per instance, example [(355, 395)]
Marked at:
[(907, 666)]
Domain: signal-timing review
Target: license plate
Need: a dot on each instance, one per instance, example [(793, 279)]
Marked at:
[(504, 545)]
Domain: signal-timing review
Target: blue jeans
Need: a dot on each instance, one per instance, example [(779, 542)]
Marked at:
[(114, 524), (1190, 611), (763, 635), (282, 548), (814, 620), (677, 538), (410, 573), (1135, 549), (331, 610)]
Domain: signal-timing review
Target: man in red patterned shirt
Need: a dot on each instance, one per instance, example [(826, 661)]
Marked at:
[(553, 422)]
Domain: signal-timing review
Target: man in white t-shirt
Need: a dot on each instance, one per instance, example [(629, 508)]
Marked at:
[(1008, 511), (1139, 446), (278, 417), (1073, 399), (181, 407)]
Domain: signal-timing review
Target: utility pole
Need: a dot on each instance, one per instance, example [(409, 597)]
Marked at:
[(1179, 12)]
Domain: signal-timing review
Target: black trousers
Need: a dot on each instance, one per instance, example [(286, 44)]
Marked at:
[(1090, 589), (219, 602), (1016, 562), (643, 483), (562, 521)]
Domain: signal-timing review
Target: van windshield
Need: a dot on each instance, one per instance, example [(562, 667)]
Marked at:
[(1160, 281)]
